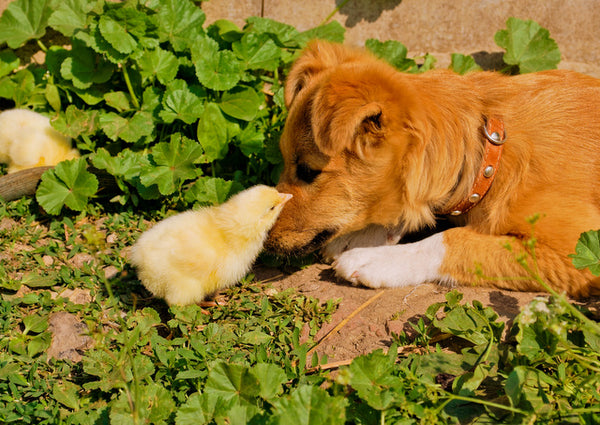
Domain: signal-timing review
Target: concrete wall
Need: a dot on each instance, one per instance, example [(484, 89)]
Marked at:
[(436, 26), (439, 27)]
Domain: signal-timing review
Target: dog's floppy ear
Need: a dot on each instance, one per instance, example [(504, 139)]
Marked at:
[(348, 125), (317, 57)]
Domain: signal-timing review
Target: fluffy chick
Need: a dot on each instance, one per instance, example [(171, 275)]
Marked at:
[(28, 140), (191, 255)]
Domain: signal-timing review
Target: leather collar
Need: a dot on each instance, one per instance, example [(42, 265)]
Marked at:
[(495, 136)]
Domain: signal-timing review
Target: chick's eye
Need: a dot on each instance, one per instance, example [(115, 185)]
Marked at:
[(306, 174)]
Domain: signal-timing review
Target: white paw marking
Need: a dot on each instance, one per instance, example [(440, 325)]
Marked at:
[(394, 266), (372, 235)]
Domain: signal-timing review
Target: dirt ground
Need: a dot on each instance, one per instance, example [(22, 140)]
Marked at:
[(372, 327)]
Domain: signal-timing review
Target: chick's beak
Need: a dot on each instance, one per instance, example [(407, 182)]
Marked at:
[(285, 197)]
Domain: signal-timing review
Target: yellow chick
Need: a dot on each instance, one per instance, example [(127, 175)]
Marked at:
[(191, 255), (28, 140)]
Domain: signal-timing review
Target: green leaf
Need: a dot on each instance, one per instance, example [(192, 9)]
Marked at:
[(271, 378), (475, 324), (179, 102), (467, 383), (70, 15), (463, 64), (120, 26), (242, 415), (20, 88), (180, 22), (217, 70), (310, 405), (227, 30), (173, 163), (333, 31), (126, 164), (255, 337), (192, 412), (8, 62), (75, 122), (66, 394), (24, 20), (68, 184), (534, 340), (372, 378), (592, 338), (232, 381), (587, 252), (95, 41), (52, 96), (283, 34), (215, 132), (514, 384), (392, 52), (55, 56), (156, 407), (10, 371), (211, 190), (528, 46), (251, 140), (84, 68), (158, 64), (35, 323), (241, 103), (38, 344), (35, 280), (140, 125), (257, 51), (202, 408), (190, 374), (118, 100)]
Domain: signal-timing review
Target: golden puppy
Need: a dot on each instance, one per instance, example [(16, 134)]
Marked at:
[(372, 151)]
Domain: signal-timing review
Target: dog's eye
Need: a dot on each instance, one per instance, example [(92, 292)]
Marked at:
[(306, 174)]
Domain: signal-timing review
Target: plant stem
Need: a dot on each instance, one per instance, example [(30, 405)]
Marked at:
[(336, 10), (134, 99), (488, 403), (42, 45)]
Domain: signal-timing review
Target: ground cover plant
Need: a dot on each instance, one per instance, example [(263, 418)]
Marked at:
[(179, 113)]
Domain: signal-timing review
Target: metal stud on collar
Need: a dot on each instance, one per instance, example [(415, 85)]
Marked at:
[(488, 171), (495, 137), (474, 198)]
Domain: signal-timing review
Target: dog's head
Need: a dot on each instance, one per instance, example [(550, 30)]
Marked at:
[(354, 150)]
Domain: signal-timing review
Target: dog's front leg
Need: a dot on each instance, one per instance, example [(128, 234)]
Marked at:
[(453, 256), (394, 266)]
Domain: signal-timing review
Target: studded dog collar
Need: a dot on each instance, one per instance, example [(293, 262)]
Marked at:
[(495, 136)]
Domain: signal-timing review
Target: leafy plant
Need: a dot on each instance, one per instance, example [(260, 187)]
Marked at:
[(528, 46), (588, 252), (152, 97)]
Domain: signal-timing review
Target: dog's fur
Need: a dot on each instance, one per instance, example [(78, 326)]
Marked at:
[(368, 147)]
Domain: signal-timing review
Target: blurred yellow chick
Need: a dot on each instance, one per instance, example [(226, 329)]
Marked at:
[(191, 255), (28, 140)]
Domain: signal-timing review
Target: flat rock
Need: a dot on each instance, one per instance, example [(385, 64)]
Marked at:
[(69, 337)]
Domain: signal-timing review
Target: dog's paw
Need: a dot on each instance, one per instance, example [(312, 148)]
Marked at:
[(364, 266), (393, 266), (371, 236)]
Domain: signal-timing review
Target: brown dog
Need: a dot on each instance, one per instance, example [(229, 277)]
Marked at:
[(371, 153)]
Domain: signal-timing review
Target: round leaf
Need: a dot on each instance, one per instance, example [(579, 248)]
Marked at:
[(242, 104), (69, 183)]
